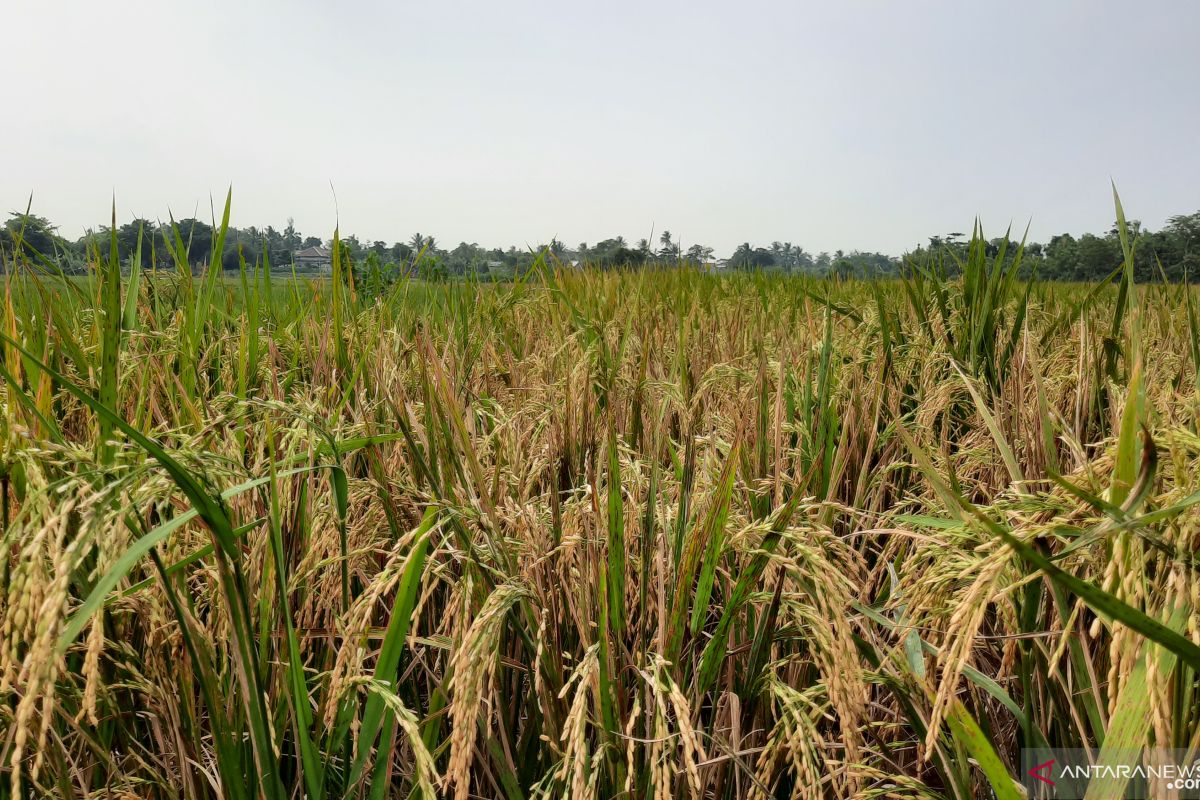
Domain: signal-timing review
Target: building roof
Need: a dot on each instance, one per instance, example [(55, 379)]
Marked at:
[(313, 252)]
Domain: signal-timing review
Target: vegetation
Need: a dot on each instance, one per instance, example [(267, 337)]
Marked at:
[(591, 533), (1171, 254)]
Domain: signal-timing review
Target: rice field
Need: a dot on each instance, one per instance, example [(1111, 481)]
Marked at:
[(654, 534)]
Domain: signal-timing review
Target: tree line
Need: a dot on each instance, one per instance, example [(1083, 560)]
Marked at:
[(1171, 253)]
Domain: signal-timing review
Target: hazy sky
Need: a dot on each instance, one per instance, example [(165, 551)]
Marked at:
[(866, 125)]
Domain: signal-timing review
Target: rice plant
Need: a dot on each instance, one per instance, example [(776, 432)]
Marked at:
[(593, 533)]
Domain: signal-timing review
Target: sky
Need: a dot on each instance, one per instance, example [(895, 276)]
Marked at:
[(835, 125)]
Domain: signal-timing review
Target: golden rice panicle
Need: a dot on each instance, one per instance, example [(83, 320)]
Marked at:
[(474, 665)]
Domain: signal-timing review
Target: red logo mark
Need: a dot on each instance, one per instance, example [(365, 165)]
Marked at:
[(1034, 773)]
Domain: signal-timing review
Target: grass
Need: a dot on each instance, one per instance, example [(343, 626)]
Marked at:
[(592, 534)]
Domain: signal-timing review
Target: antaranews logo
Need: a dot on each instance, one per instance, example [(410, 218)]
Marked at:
[(1067, 774)]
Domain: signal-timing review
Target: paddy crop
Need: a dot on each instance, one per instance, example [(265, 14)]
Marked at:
[(593, 533)]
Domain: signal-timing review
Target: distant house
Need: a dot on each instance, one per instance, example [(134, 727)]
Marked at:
[(313, 259)]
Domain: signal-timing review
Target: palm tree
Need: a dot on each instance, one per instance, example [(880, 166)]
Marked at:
[(669, 250), (743, 257)]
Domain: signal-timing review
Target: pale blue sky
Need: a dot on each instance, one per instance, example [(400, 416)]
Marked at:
[(866, 125)]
